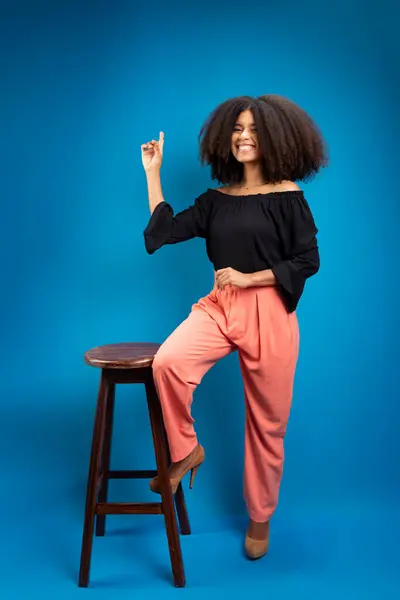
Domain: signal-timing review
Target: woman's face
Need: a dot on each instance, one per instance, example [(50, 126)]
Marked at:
[(245, 146)]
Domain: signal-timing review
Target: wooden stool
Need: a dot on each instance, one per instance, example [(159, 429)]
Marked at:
[(128, 363)]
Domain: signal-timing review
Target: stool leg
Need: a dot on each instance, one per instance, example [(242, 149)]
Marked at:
[(91, 492), (179, 498), (105, 456), (174, 544), (181, 509)]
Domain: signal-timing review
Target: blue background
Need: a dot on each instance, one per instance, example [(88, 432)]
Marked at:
[(84, 84)]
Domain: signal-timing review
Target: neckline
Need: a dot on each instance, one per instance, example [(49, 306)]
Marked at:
[(290, 192)]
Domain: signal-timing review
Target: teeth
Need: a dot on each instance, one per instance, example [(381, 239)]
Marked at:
[(246, 147)]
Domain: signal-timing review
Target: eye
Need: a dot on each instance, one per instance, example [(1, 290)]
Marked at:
[(236, 128)]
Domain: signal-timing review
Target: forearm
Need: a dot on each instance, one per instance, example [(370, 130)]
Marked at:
[(262, 278), (154, 189)]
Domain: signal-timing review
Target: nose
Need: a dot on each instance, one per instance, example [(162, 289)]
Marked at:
[(244, 134)]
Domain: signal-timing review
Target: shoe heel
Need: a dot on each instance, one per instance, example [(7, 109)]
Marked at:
[(193, 472)]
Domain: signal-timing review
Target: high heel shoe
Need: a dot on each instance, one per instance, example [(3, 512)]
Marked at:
[(256, 548), (196, 459)]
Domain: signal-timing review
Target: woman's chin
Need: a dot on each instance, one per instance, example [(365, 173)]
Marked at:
[(247, 160)]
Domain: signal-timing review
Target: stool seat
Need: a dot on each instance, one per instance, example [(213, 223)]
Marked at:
[(127, 355)]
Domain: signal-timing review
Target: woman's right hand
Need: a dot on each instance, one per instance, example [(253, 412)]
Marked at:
[(152, 154)]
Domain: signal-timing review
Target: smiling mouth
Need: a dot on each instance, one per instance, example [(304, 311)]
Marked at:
[(245, 147)]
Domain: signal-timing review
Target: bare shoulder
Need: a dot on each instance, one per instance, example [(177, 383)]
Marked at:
[(225, 189), (288, 186)]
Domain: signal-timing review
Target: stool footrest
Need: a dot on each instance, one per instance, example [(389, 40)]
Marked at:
[(141, 474), (129, 508)]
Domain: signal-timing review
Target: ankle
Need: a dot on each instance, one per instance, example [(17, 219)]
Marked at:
[(187, 456), (258, 530)]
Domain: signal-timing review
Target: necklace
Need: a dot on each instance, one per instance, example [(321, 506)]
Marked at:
[(247, 187)]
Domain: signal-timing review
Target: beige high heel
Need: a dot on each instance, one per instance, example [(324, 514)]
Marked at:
[(193, 472), (197, 459), (256, 548)]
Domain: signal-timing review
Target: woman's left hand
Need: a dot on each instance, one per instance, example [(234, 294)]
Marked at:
[(229, 276)]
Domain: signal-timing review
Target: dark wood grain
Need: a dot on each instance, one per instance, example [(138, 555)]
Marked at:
[(125, 355), (141, 474), (105, 456), (90, 508), (183, 517), (128, 363), (179, 498), (157, 428), (129, 508)]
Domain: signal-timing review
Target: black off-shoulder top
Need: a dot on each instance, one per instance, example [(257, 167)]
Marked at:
[(274, 230)]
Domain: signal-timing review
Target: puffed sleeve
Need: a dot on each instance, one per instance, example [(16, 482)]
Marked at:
[(166, 228), (297, 232)]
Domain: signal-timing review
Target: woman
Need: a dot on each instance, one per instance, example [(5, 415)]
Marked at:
[(261, 239)]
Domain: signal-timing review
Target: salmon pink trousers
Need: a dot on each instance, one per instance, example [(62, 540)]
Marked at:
[(255, 322)]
